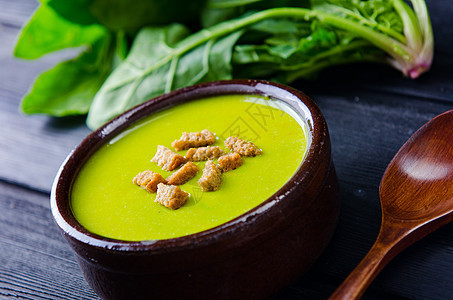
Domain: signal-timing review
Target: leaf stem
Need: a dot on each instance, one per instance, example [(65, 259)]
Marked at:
[(359, 17), (337, 50), (411, 28), (419, 35), (393, 47), (171, 75), (421, 11), (402, 55)]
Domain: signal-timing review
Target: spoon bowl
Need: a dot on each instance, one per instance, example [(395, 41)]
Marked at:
[(416, 194), (417, 184)]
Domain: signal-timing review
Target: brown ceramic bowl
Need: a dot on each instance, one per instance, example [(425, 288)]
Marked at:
[(254, 255)]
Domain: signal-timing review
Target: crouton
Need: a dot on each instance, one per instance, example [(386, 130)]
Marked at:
[(170, 196), (184, 174), (167, 159), (211, 179), (148, 180), (230, 161), (203, 153), (242, 147), (194, 139)]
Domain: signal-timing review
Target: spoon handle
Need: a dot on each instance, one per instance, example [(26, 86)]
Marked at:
[(380, 254)]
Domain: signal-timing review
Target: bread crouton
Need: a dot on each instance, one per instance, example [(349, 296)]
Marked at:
[(211, 179), (170, 196), (148, 180), (167, 159), (203, 153), (184, 174), (230, 161), (242, 147), (194, 139)]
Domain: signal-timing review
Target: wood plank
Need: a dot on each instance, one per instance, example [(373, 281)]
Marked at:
[(371, 111), (35, 261), (32, 148), (15, 13)]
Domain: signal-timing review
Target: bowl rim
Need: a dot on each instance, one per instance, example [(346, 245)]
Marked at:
[(60, 193)]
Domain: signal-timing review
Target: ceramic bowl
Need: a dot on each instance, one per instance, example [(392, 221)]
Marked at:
[(252, 256)]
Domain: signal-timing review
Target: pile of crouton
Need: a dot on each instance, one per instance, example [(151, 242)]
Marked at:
[(198, 146)]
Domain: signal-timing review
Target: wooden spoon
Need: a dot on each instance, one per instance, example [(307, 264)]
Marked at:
[(416, 195)]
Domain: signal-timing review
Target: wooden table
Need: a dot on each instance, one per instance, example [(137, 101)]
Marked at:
[(370, 109)]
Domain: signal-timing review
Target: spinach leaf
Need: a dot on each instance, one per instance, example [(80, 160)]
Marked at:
[(301, 51), (130, 16), (161, 60), (47, 32), (340, 39), (378, 14), (75, 11), (272, 39), (70, 86)]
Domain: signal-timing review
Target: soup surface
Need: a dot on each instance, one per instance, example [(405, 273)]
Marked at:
[(106, 202)]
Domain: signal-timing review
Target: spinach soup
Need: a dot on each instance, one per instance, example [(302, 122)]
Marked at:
[(106, 201)]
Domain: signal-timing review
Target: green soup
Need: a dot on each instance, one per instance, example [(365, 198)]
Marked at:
[(105, 201)]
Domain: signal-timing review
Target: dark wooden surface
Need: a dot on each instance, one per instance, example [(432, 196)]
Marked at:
[(371, 110)]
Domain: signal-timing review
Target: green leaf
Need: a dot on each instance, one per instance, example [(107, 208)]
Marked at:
[(128, 16), (303, 50), (379, 15), (122, 45), (47, 32), (282, 26), (76, 11), (69, 87), (160, 60), (289, 49), (272, 39), (131, 16), (219, 63)]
